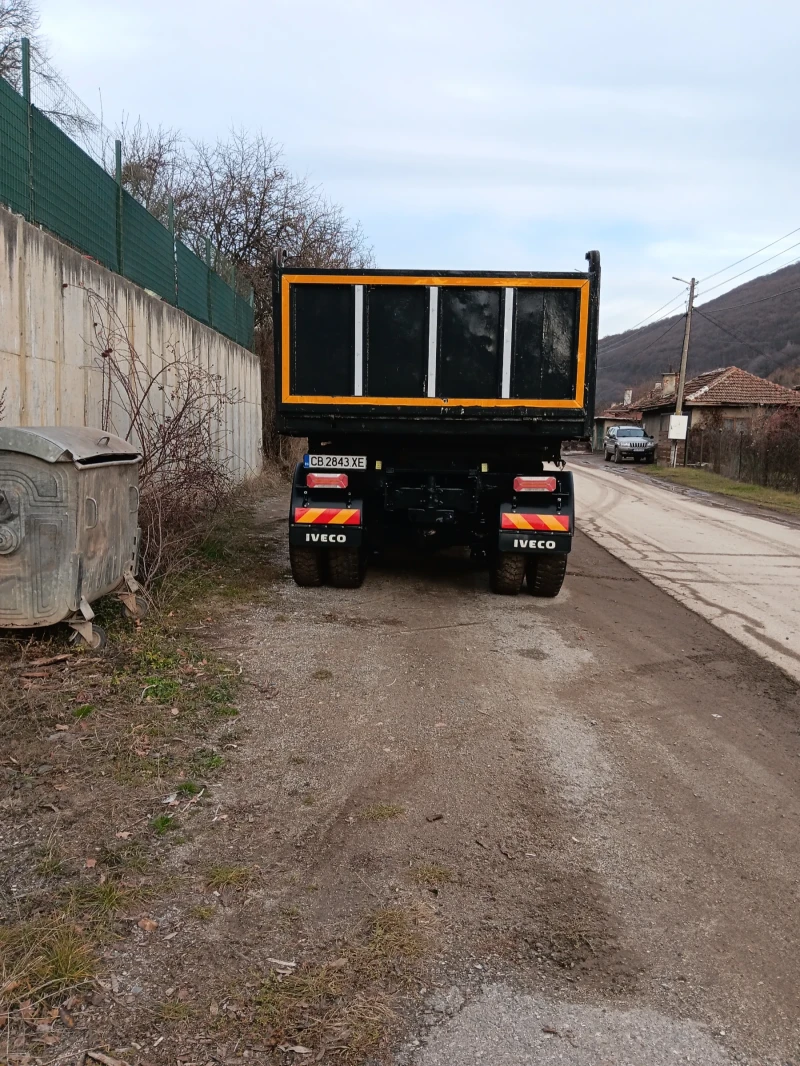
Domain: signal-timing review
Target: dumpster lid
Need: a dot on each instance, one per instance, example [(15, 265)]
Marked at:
[(62, 444)]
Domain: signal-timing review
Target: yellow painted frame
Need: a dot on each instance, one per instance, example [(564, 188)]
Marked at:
[(462, 282)]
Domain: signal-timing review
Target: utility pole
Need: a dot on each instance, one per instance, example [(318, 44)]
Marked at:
[(684, 356)]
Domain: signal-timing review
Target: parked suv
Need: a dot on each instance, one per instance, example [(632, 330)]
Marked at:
[(628, 442)]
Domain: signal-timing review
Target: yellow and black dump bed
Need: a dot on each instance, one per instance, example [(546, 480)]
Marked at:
[(441, 352)]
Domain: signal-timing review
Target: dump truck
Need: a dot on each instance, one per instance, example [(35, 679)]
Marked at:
[(435, 404)]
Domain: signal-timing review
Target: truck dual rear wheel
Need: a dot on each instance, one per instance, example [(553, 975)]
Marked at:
[(308, 565), (507, 573), (545, 574), (346, 567)]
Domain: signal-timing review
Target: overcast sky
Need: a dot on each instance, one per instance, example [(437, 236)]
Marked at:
[(487, 135)]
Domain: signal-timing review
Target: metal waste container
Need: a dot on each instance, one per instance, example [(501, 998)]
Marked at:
[(69, 501)]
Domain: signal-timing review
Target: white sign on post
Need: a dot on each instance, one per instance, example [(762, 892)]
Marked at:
[(678, 427)]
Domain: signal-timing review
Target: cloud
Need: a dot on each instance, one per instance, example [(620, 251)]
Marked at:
[(515, 135)]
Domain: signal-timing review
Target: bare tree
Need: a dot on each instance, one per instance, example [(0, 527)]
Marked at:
[(18, 19), (154, 166)]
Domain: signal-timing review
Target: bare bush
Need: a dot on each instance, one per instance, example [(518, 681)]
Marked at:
[(175, 412)]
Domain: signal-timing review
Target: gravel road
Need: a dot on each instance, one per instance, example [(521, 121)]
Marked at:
[(609, 782)]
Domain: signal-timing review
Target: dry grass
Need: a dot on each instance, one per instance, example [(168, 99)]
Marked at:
[(41, 959), (381, 812), (431, 876), (221, 877), (707, 481), (345, 1006), (175, 1011)]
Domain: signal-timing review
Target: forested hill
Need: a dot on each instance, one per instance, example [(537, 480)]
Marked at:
[(758, 329)]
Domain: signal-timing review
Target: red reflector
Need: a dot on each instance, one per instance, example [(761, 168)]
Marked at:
[(326, 481), (535, 484)]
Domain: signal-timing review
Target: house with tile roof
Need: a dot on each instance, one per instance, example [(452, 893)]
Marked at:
[(726, 398)]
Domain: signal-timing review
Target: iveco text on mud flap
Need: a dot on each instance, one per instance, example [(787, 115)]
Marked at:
[(431, 402)]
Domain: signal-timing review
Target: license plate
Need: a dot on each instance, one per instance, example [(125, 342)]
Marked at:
[(335, 462)]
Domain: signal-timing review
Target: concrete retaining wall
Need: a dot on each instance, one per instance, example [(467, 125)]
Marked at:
[(51, 298)]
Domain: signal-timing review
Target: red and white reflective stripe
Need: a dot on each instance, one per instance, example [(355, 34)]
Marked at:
[(328, 516), (554, 523), (326, 481), (535, 484)]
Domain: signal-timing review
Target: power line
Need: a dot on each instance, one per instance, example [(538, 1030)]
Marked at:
[(755, 267), (604, 366), (746, 257), (667, 304), (633, 340), (735, 307), (735, 336)]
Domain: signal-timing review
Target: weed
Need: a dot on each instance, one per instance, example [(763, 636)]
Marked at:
[(162, 823), (322, 675), (291, 914), (189, 788), (161, 689), (381, 812), (205, 761), (84, 711), (432, 876), (42, 958), (220, 877)]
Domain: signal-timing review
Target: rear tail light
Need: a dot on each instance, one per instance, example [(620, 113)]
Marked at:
[(535, 484), (326, 481)]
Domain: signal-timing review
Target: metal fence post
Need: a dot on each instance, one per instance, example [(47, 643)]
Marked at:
[(25, 46), (171, 212), (120, 234), (208, 280)]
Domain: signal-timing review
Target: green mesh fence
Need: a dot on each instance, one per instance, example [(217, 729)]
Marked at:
[(244, 322), (192, 283), (223, 306), (72, 196), (47, 178), (13, 150), (148, 251)]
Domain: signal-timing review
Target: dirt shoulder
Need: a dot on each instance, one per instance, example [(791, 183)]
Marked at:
[(427, 793)]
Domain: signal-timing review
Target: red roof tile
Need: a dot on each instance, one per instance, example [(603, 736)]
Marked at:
[(729, 387)]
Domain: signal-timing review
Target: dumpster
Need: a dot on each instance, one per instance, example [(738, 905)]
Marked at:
[(69, 502)]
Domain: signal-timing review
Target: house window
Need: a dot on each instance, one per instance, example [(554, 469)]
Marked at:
[(736, 425)]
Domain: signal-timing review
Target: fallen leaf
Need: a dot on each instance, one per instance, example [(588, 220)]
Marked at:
[(91, 863), (62, 728), (66, 1018), (147, 924), (122, 836)]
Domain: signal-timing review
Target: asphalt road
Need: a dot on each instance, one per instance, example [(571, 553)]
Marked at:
[(610, 783), (739, 569)]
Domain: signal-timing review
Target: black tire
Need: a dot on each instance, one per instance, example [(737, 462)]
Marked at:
[(346, 567), (617, 455), (507, 573), (99, 639), (545, 574), (650, 459), (307, 566), (141, 612), (606, 456)]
